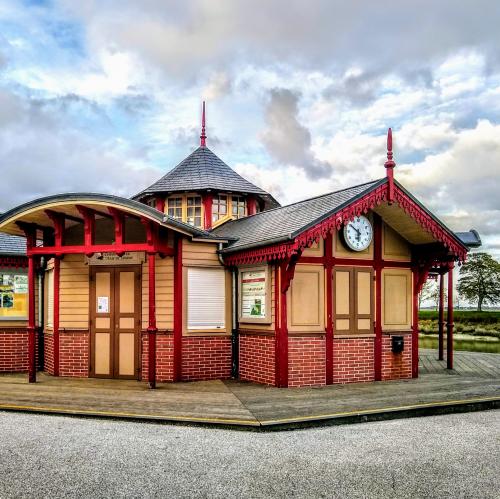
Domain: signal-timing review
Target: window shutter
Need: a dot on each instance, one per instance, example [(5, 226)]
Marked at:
[(50, 298), (206, 298)]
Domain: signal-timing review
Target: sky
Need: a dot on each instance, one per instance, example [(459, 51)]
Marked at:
[(105, 96)]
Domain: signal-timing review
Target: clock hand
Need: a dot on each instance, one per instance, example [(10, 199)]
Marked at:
[(357, 230)]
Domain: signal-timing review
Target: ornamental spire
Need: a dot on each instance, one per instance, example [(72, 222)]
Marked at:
[(203, 137), (389, 166)]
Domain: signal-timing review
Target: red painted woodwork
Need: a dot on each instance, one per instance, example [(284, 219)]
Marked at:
[(99, 248), (152, 329), (58, 220), (31, 321), (329, 261), (355, 262), (88, 226), (203, 136), (389, 165), (16, 262), (450, 324), (178, 298), (251, 205), (207, 210), (441, 317), (334, 222), (55, 333), (119, 221), (377, 266), (160, 203), (414, 335)]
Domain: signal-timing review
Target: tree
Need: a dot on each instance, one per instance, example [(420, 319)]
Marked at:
[(430, 292), (480, 280)]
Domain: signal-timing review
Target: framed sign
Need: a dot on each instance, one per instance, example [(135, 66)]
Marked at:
[(128, 258), (254, 295)]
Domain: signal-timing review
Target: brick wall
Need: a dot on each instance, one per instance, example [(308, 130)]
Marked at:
[(48, 353), (353, 360), (206, 357), (306, 360), (164, 356), (74, 353), (13, 350), (257, 358), (396, 366)]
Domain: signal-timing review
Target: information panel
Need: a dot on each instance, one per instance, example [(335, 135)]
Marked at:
[(253, 294)]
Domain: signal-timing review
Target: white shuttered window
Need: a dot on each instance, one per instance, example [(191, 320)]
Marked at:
[(206, 298)]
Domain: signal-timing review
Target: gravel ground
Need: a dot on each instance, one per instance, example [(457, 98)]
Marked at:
[(444, 456)]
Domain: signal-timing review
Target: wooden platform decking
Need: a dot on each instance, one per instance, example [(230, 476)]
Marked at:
[(476, 378)]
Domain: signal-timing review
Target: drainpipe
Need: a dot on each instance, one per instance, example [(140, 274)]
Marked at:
[(234, 318)]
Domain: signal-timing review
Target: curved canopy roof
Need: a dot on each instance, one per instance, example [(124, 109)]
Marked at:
[(34, 212), (202, 170)]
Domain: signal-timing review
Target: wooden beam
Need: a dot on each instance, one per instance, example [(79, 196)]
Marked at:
[(97, 248), (441, 317), (56, 308), (378, 266), (450, 324), (119, 222), (88, 226), (329, 262), (152, 329), (414, 307)]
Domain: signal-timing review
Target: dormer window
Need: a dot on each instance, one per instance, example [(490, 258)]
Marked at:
[(174, 208), (219, 207), (194, 210), (238, 206)]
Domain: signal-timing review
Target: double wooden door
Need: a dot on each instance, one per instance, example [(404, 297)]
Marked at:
[(115, 315)]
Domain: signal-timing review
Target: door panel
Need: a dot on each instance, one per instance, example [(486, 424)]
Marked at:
[(115, 321)]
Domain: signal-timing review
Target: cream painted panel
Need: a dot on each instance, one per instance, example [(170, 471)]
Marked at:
[(126, 354), (364, 293), (342, 325), (397, 294), (342, 292), (102, 323), (364, 324), (126, 323), (395, 247), (127, 288), (315, 250), (307, 298), (102, 360)]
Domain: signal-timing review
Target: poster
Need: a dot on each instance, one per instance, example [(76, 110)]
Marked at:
[(102, 305), (20, 284), (253, 294)]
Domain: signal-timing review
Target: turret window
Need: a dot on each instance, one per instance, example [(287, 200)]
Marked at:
[(175, 208), (238, 206), (219, 208), (194, 210)]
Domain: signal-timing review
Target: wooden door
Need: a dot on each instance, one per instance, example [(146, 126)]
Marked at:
[(115, 321)]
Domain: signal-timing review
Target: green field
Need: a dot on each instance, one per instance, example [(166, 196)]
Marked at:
[(474, 331)]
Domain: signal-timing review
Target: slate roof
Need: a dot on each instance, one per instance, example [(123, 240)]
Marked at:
[(203, 170), (12, 245), (471, 238), (285, 223)]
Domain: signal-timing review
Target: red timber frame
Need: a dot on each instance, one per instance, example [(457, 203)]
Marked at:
[(450, 325), (441, 316), (207, 210), (178, 298), (152, 329), (282, 254)]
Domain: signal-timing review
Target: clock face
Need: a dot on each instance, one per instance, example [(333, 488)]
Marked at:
[(358, 233)]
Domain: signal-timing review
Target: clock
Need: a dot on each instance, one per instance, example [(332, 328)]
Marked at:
[(358, 233)]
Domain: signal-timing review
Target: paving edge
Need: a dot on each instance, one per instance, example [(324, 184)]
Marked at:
[(342, 418)]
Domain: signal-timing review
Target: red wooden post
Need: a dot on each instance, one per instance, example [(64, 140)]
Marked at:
[(178, 292), (88, 227), (329, 308), (207, 210), (55, 331), (441, 316), (449, 326), (281, 331), (31, 321), (417, 279), (378, 265), (152, 330)]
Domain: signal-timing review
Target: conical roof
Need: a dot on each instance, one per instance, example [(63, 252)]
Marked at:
[(202, 170)]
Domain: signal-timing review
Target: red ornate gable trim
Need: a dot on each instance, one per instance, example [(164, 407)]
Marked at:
[(334, 222), (14, 262)]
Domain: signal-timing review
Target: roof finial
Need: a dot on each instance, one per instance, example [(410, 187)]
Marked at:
[(389, 165), (203, 137)]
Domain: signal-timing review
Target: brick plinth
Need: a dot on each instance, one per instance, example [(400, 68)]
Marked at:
[(164, 356), (396, 365), (206, 357), (306, 360), (48, 353), (257, 360), (353, 360), (13, 350), (74, 353)]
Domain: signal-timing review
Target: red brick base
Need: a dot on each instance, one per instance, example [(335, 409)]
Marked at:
[(353, 360), (13, 350), (74, 353), (257, 360), (206, 357), (164, 356), (396, 365), (306, 360)]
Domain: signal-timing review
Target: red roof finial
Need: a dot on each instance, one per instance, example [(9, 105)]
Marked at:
[(203, 137), (389, 166)]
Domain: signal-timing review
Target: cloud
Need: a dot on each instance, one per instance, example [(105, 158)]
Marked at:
[(286, 139)]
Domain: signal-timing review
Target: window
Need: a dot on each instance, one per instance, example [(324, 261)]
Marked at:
[(194, 210), (175, 208), (238, 206), (219, 208), (13, 295), (206, 295), (254, 295)]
